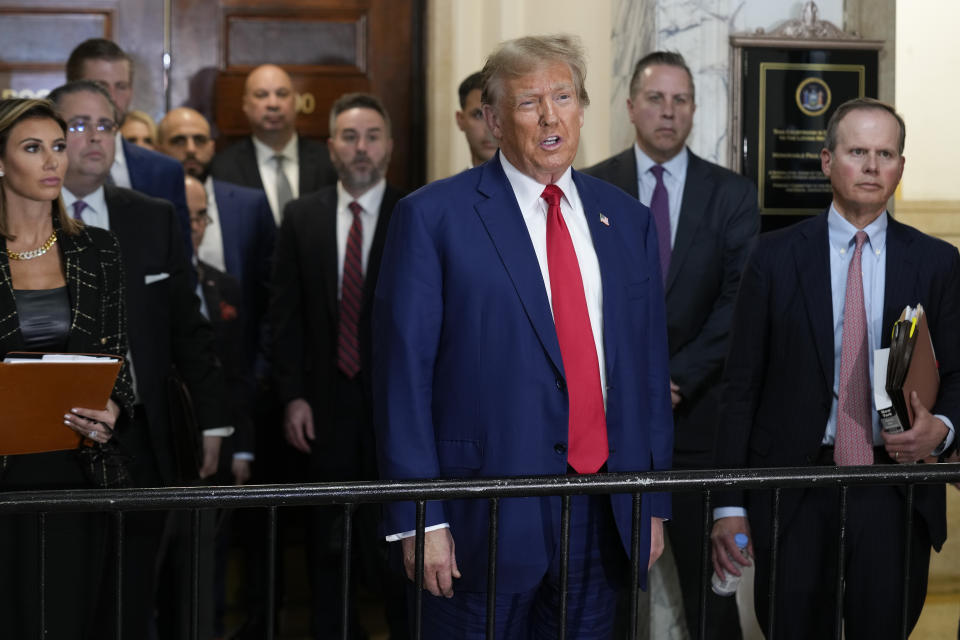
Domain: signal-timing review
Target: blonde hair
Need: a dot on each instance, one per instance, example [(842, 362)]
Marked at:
[(144, 118), (515, 58), (12, 112)]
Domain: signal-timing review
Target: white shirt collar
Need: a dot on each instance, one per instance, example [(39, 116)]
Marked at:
[(370, 199), (265, 153), (528, 191), (96, 213), (675, 166)]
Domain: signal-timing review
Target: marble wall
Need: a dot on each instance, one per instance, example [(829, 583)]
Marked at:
[(700, 30)]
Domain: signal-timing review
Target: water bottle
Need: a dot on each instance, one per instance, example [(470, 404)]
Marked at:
[(728, 585)]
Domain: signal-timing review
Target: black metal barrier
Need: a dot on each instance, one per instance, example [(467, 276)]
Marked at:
[(350, 494)]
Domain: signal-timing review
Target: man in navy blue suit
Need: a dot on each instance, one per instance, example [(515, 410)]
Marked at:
[(519, 329), (240, 237), (816, 299), (148, 172)]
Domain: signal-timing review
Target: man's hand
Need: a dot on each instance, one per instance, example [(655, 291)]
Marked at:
[(724, 546), (675, 396), (298, 424), (211, 455), (241, 471), (917, 442), (439, 561), (656, 540)]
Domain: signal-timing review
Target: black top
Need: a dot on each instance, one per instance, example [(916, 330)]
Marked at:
[(44, 318)]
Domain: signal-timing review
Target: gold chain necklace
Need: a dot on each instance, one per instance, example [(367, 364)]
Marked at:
[(33, 253)]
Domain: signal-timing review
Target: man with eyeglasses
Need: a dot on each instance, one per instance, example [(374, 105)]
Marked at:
[(105, 63), (165, 328)]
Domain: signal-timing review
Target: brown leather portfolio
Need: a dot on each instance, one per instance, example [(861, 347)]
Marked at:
[(35, 396), (913, 366)]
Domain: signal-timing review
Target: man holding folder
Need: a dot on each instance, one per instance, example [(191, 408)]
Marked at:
[(816, 300)]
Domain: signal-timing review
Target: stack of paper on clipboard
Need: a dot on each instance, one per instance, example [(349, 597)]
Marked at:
[(37, 389), (909, 365)]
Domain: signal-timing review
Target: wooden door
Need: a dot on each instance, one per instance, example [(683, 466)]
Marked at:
[(329, 47)]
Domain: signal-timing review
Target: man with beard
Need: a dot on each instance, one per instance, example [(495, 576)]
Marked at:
[(327, 259)]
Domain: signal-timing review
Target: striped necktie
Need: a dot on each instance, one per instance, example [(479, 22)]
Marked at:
[(351, 297)]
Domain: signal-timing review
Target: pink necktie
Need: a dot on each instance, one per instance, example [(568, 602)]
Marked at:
[(78, 208), (854, 441), (351, 298), (587, 425)]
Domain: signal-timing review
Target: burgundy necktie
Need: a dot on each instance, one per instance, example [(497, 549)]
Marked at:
[(660, 208), (587, 426), (78, 208), (351, 297), (854, 441)]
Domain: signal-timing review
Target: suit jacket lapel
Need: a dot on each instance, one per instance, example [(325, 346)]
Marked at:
[(224, 195), (327, 237), (390, 197), (308, 167), (501, 217), (248, 165), (901, 273), (625, 172), (603, 236), (812, 258), (696, 193)]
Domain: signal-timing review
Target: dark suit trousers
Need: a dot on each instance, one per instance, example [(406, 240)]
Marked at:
[(597, 570), (324, 544), (807, 567), (686, 533)]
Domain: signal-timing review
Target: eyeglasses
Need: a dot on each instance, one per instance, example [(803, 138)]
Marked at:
[(83, 125)]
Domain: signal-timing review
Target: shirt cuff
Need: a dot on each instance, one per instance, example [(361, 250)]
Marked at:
[(223, 432), (243, 455), (951, 434), (393, 537), (729, 512)]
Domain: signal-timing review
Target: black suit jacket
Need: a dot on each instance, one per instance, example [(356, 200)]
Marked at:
[(95, 285), (223, 297), (165, 326), (238, 164), (778, 381), (719, 219), (303, 313)]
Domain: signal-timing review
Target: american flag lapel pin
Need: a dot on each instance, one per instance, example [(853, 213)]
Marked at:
[(604, 220)]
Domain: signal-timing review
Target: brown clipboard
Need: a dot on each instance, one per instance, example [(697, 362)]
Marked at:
[(919, 367), (36, 395)]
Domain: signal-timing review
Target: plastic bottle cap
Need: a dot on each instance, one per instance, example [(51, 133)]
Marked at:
[(741, 540)]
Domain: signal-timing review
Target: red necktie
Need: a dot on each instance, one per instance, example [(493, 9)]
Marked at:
[(854, 440), (587, 427), (351, 297)]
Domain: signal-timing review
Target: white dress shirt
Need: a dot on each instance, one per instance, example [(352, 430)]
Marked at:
[(370, 202), (119, 172), (211, 247), (268, 171)]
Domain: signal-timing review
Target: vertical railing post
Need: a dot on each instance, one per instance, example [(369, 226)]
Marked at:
[(194, 572), (841, 570), (42, 523), (271, 570), (492, 570), (907, 543), (774, 553), (118, 574), (635, 567), (564, 562), (704, 564), (418, 572), (345, 569)]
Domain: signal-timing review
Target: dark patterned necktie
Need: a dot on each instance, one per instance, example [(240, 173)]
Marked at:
[(587, 424), (854, 440), (351, 297), (660, 208)]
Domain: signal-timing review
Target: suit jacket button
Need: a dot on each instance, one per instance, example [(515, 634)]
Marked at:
[(560, 384), (560, 448), (103, 341)]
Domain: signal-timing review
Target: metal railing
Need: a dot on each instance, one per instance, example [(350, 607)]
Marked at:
[(350, 494)]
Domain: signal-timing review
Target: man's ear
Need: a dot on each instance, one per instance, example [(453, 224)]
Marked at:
[(493, 121)]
